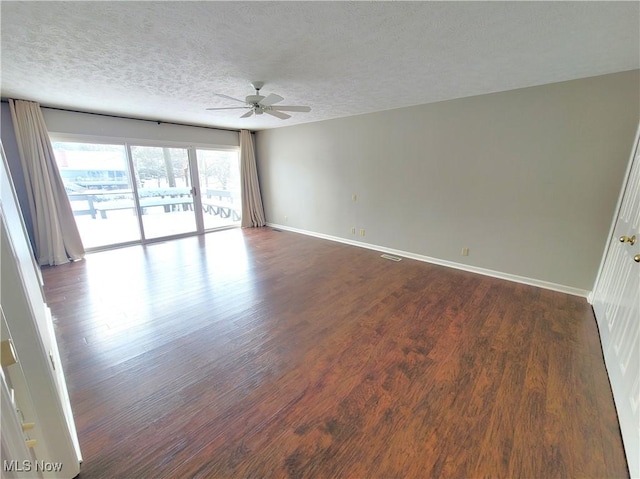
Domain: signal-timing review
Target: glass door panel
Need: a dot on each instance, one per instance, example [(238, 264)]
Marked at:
[(99, 187), (219, 178), (164, 190)]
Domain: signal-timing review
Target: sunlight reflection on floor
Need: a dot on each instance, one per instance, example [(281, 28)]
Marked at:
[(128, 292)]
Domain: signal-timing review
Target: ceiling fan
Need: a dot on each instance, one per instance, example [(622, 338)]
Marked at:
[(258, 104)]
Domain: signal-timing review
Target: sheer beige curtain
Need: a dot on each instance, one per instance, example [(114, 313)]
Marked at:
[(252, 211), (57, 240)]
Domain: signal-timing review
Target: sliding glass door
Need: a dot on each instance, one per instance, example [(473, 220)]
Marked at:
[(100, 190), (164, 190), (124, 193), (219, 182)]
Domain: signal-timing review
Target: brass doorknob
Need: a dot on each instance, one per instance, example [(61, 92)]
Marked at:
[(630, 240), (636, 258)]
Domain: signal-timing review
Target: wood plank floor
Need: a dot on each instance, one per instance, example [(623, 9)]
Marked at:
[(266, 354)]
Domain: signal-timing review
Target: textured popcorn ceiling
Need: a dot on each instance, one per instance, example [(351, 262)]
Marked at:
[(164, 60)]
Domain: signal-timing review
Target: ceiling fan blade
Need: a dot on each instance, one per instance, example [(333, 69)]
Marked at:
[(247, 114), (277, 114), (228, 97), (229, 108), (270, 100), (292, 108)]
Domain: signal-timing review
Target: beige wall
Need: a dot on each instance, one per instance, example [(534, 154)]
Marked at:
[(526, 179)]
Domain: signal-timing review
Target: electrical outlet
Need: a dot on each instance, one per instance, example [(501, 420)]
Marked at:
[(286, 218), (354, 197), (362, 232), (353, 230), (465, 252)]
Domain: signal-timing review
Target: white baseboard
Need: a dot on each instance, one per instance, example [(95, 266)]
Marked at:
[(451, 264)]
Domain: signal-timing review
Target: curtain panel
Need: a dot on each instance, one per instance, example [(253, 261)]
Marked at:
[(252, 210), (57, 240)]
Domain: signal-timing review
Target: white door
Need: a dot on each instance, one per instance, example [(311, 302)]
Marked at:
[(33, 381), (616, 302)]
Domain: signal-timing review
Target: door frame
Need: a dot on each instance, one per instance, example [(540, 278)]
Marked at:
[(619, 380)]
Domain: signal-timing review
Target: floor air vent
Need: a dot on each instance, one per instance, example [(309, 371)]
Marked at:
[(392, 258)]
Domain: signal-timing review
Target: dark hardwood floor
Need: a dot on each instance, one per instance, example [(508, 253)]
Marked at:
[(265, 354)]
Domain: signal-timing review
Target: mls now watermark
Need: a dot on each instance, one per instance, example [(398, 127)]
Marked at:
[(29, 466)]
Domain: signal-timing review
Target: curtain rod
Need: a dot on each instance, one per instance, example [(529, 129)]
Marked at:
[(5, 100)]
